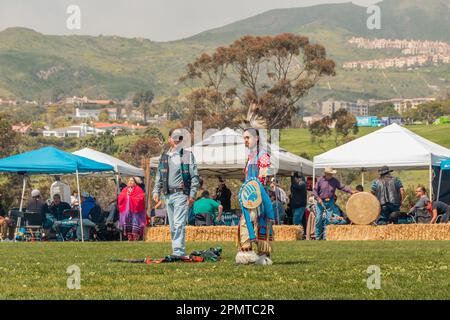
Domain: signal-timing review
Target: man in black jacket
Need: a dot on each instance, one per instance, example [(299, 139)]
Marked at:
[(298, 198), (57, 207), (223, 195)]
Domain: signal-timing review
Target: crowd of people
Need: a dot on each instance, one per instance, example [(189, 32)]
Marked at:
[(180, 199), (59, 218), (126, 215)]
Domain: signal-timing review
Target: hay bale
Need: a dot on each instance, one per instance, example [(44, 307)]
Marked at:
[(219, 233), (389, 232)]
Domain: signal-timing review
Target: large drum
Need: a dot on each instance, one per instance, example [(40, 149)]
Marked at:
[(363, 208)]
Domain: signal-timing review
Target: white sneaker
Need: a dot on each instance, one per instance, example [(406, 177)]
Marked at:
[(264, 260), (246, 257)]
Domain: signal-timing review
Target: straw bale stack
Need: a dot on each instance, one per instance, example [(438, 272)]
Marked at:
[(390, 232), (219, 233)]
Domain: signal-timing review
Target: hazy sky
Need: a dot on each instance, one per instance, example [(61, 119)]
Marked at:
[(158, 20)]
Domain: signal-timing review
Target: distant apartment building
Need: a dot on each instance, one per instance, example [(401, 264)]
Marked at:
[(86, 101), (93, 114), (362, 107), (73, 131), (114, 128), (401, 105), (404, 105), (417, 53), (357, 109), (407, 46)]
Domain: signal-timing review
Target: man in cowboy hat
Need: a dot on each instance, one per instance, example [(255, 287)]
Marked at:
[(389, 191), (324, 193)]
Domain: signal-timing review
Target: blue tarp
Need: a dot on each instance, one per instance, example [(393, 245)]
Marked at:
[(50, 160), (441, 181)]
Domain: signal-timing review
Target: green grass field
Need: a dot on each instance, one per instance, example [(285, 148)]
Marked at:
[(301, 270)]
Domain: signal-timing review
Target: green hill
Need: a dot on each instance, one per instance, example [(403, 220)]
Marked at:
[(45, 67), (416, 19)]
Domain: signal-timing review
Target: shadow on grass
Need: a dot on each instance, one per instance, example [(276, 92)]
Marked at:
[(288, 263), (279, 263)]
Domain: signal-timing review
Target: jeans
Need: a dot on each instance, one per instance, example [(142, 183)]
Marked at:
[(386, 211), (298, 215), (323, 218), (177, 212)]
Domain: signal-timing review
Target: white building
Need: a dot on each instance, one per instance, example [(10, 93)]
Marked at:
[(73, 131), (404, 105), (357, 109)]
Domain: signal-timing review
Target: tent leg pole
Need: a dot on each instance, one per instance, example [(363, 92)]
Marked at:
[(314, 176), (23, 192), (362, 178), (439, 184), (117, 184), (79, 207), (19, 220), (431, 181)]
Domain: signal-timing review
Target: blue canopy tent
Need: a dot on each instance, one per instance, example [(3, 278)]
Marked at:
[(50, 160), (444, 184)]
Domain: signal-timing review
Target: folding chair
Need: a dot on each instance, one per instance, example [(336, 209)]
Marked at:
[(230, 218), (33, 226), (440, 218), (16, 215), (161, 214), (204, 219)]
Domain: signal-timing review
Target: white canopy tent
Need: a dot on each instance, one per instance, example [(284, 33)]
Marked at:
[(224, 154), (120, 167), (394, 146)]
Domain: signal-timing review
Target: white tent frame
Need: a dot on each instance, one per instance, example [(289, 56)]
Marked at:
[(233, 169), (120, 166), (435, 155)]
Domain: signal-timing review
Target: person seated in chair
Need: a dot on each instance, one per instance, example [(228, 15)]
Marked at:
[(91, 213), (36, 204), (57, 207), (338, 216), (439, 208), (159, 211), (6, 224), (278, 208), (205, 209), (113, 213), (420, 210)]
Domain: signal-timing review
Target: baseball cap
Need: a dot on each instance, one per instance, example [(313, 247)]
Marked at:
[(35, 193), (85, 194), (177, 135)]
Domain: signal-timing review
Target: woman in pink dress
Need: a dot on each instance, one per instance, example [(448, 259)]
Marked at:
[(132, 211)]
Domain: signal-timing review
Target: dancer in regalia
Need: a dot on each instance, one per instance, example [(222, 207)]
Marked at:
[(255, 225)]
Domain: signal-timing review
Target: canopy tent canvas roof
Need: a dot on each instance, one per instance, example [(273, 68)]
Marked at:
[(120, 167), (50, 160), (223, 154), (393, 145)]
